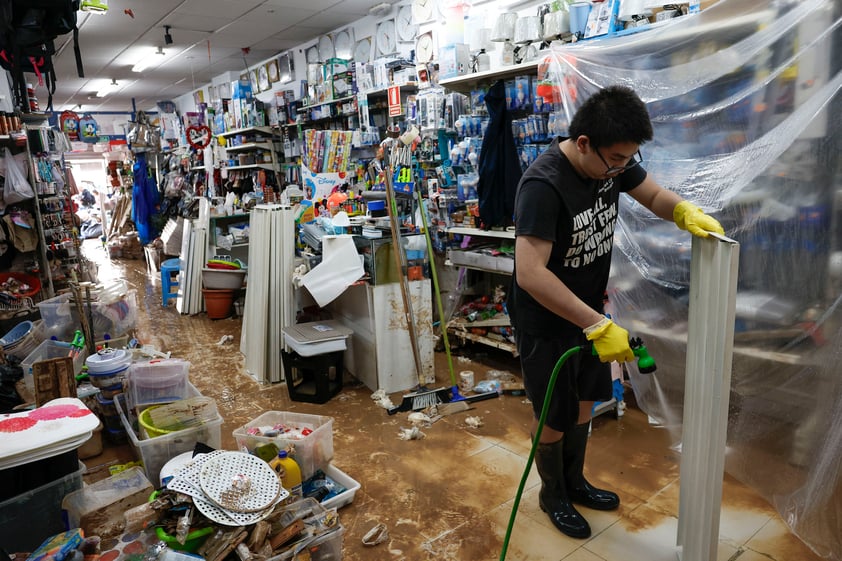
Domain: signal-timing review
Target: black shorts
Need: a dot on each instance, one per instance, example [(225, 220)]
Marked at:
[(581, 378)]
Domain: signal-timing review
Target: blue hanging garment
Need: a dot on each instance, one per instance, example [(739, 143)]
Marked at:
[(144, 200)]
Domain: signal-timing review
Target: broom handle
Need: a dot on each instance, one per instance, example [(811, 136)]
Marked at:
[(434, 274), (397, 250)]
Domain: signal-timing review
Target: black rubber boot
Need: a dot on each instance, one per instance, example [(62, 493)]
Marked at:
[(578, 489), (553, 497)]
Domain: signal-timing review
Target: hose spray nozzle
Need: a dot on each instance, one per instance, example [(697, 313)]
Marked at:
[(645, 362)]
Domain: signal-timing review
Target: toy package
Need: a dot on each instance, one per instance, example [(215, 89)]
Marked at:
[(58, 547)]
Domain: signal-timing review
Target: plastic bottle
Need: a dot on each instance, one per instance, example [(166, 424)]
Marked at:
[(289, 473)]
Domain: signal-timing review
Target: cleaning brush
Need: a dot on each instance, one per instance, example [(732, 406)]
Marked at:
[(418, 400)]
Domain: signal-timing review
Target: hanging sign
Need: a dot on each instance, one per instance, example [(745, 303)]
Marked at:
[(395, 108), (198, 136)]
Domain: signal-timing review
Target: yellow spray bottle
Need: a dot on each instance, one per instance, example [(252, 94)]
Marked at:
[(289, 473)]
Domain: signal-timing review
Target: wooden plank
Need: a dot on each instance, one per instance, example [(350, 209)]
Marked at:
[(53, 379)]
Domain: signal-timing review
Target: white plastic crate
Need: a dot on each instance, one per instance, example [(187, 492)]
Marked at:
[(346, 497), (313, 452)]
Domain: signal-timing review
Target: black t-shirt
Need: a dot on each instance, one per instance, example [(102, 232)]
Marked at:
[(578, 215)]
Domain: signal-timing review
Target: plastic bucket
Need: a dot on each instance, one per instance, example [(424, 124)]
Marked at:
[(218, 303)]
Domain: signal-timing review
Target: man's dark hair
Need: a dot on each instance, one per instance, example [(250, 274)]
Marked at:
[(614, 114)]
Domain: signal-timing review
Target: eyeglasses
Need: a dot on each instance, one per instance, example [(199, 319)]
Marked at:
[(635, 161)]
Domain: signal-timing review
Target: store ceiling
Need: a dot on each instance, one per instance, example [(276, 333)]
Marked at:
[(209, 38)]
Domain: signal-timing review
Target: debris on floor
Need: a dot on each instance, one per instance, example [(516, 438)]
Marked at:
[(419, 419), (378, 534), (225, 339), (382, 400), (473, 422), (411, 434)]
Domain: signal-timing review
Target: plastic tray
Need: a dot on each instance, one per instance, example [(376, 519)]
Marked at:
[(351, 487)]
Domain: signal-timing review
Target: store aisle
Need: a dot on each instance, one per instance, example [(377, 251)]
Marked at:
[(449, 496)]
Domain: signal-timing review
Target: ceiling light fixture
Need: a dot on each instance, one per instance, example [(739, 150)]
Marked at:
[(167, 36), (147, 61), (108, 89)]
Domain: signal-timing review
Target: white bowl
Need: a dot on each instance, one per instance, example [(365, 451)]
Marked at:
[(223, 279)]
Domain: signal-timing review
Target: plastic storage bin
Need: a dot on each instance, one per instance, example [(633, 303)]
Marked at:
[(99, 495), (155, 452), (313, 452), (28, 519), (47, 350), (346, 497), (112, 317), (157, 382), (326, 547)]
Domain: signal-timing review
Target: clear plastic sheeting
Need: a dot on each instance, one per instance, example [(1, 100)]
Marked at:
[(747, 112)]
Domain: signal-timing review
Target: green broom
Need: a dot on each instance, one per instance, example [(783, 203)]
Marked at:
[(442, 320)]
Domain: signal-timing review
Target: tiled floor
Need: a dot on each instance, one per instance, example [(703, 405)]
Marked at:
[(449, 496)]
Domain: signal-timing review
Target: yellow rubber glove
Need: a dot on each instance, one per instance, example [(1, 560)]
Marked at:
[(610, 341), (689, 217)]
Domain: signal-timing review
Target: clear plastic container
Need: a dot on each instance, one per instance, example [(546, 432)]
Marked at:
[(155, 452), (47, 350), (312, 452), (112, 318), (157, 382), (108, 360), (103, 493)]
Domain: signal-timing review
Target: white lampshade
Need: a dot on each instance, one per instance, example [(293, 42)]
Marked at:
[(504, 27), (556, 24), (479, 38), (528, 30), (630, 8)]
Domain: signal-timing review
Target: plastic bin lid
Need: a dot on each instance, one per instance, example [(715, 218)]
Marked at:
[(108, 360)]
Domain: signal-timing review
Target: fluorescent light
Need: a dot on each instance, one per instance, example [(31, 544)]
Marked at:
[(108, 89), (147, 60)]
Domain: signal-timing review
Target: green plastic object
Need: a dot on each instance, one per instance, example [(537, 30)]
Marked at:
[(194, 540)]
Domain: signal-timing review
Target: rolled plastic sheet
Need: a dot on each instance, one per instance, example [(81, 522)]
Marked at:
[(747, 115)]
